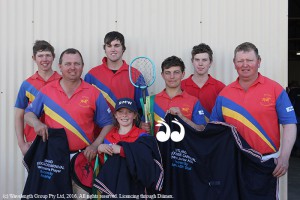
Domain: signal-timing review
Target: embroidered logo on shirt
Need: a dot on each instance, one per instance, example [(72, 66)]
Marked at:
[(267, 100), (84, 102), (201, 112), (289, 109), (186, 109)]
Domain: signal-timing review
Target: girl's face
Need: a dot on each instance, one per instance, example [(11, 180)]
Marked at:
[(125, 117)]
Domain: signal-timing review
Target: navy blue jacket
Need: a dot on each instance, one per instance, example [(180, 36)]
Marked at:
[(140, 172), (48, 165), (214, 164)]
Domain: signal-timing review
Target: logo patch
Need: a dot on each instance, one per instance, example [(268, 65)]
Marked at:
[(201, 112), (289, 109), (267, 100), (84, 102)]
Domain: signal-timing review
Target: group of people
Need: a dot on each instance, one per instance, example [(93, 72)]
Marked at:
[(87, 109)]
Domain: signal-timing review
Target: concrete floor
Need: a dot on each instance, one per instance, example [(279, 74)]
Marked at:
[(294, 178)]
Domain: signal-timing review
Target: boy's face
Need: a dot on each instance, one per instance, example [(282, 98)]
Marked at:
[(114, 51), (201, 63), (172, 76), (44, 60)]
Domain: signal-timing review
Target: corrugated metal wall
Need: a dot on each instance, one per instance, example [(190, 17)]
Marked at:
[(156, 28)]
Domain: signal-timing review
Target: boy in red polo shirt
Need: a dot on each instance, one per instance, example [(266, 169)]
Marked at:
[(43, 56), (173, 99), (201, 84)]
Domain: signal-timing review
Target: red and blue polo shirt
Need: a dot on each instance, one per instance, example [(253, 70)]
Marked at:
[(114, 85), (77, 114), (27, 93), (207, 94), (256, 113), (189, 105)]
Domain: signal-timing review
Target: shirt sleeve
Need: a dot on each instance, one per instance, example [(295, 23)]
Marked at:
[(103, 116), (37, 106), (285, 110), (216, 114), (22, 101), (198, 114)]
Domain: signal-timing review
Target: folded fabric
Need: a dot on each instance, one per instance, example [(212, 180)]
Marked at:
[(48, 165)]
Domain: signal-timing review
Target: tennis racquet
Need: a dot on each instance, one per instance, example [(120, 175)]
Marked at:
[(142, 75)]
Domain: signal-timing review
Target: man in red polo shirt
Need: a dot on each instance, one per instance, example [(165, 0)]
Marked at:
[(256, 106), (74, 105), (43, 56)]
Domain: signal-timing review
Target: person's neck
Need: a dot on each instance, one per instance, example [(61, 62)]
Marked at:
[(247, 82), (123, 130), (200, 79), (46, 74), (172, 92), (70, 86), (114, 65)]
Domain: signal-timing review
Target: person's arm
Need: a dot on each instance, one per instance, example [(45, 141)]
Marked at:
[(176, 111), (91, 150), (19, 128), (288, 140), (40, 128)]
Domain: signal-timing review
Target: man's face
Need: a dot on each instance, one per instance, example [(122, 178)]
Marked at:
[(114, 51), (201, 63), (172, 76), (44, 60), (71, 67), (246, 64)]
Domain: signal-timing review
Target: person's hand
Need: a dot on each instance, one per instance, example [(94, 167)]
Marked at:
[(175, 111), (116, 148), (145, 126), (105, 148), (282, 165), (41, 129), (90, 152), (24, 147)]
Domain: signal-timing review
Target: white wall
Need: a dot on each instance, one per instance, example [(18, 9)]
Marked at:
[(156, 28)]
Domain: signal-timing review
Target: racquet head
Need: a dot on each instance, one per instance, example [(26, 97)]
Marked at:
[(142, 72)]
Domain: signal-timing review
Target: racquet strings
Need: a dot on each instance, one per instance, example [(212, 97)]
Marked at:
[(143, 75)]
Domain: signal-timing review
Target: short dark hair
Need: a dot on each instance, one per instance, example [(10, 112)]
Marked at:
[(70, 51), (202, 48), (42, 45), (114, 35), (246, 47), (171, 62)]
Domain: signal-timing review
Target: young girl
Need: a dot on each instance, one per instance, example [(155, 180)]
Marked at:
[(131, 161), (125, 130)]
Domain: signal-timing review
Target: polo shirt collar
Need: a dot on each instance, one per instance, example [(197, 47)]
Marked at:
[(122, 68), (190, 82), (260, 79), (83, 85), (37, 76), (165, 95), (131, 134)]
